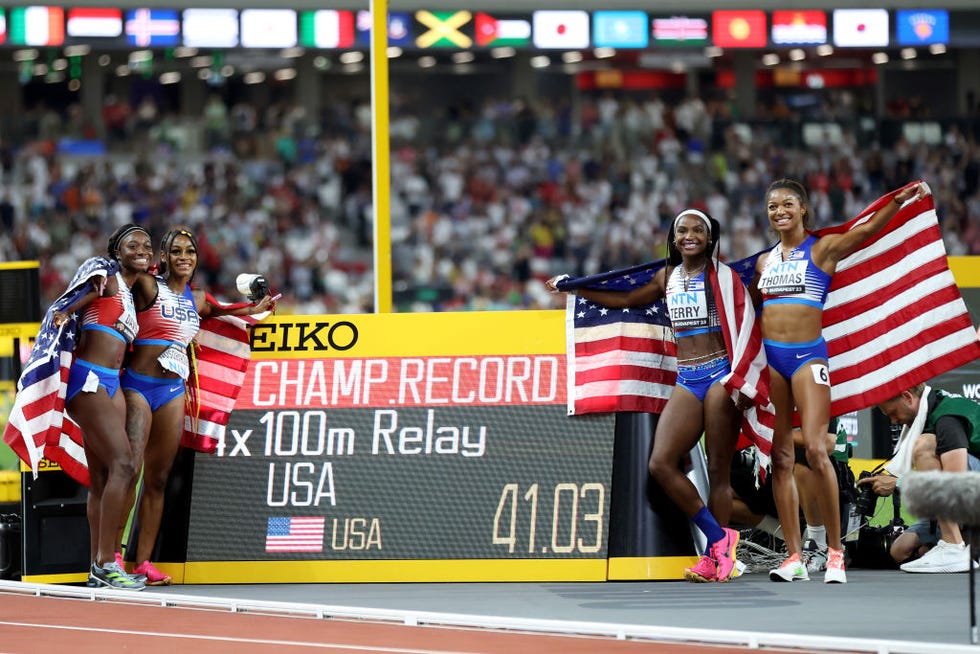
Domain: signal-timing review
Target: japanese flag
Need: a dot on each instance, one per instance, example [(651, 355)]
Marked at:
[(567, 30)]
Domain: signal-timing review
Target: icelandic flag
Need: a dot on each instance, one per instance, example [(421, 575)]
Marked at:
[(153, 27)]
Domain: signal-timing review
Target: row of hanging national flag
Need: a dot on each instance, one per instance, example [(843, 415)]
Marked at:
[(893, 318)]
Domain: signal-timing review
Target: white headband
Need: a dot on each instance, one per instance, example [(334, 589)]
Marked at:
[(693, 212)]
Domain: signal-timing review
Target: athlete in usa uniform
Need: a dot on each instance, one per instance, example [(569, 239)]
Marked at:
[(154, 382), (107, 326), (791, 284)]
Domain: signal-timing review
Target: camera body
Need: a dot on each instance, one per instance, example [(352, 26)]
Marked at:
[(867, 499), (254, 287)]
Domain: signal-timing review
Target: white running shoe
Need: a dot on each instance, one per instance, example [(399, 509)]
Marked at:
[(943, 558), (814, 557)]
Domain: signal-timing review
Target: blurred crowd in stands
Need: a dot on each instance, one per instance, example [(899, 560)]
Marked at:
[(486, 200)]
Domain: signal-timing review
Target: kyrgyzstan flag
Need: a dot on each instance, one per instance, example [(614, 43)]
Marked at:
[(95, 22), (739, 28), (37, 26), (567, 30)]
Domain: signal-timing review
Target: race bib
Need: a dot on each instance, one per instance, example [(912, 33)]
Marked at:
[(174, 359)]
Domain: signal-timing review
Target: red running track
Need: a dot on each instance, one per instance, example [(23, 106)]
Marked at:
[(31, 624)]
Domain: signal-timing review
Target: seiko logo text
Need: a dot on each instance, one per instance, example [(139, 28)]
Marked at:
[(316, 336)]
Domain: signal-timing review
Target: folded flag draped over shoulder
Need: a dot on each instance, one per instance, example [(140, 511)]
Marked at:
[(38, 426), (894, 316), (221, 358)]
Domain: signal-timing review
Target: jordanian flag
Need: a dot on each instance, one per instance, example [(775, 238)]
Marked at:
[(494, 32), (37, 26)]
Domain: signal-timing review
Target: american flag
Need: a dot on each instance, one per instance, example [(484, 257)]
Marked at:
[(626, 359), (38, 426), (294, 535), (893, 318), (618, 359), (221, 359)]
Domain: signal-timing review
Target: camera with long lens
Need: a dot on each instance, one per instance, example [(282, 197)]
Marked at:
[(867, 499), (254, 287)]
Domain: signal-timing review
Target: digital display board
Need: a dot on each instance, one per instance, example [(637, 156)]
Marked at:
[(437, 441)]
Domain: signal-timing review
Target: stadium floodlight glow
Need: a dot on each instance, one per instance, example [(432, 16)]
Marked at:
[(879, 58), (28, 54), (183, 52), (770, 59), (463, 57), (427, 61), (908, 53), (394, 52), (937, 49), (170, 77), (284, 74), (713, 52), (604, 53), (797, 54), (503, 53), (825, 50), (572, 57), (541, 61), (352, 57), (77, 50)]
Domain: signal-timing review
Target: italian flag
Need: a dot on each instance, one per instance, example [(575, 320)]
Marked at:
[(37, 26)]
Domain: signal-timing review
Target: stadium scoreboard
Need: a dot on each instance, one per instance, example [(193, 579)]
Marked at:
[(404, 447)]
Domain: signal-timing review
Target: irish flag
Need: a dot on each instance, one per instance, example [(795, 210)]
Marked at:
[(37, 26)]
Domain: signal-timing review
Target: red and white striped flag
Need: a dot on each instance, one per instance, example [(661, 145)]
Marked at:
[(38, 426), (750, 370), (618, 359), (221, 359), (894, 316)]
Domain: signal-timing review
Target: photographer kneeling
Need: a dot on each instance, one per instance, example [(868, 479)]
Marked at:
[(938, 435)]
